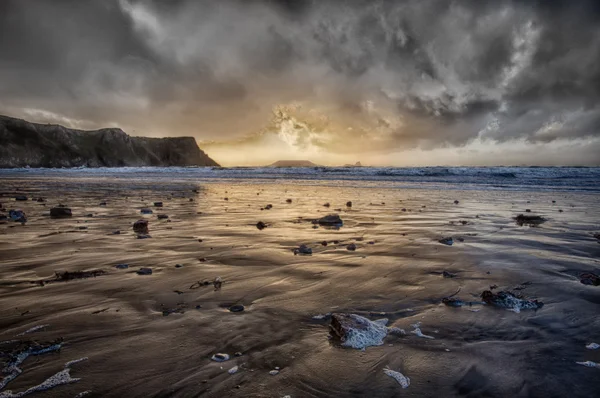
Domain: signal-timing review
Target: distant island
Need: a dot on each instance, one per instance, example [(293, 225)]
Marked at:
[(25, 144), (357, 164), (293, 163)]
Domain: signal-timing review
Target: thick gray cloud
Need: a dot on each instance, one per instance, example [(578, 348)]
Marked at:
[(331, 77)]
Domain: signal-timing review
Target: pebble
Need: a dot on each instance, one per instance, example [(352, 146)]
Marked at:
[(122, 266), (158, 204), (236, 308), (233, 370), (238, 354), (60, 212), (274, 372), (351, 247), (144, 271), (219, 357), (446, 241), (21, 198), (146, 211), (348, 204), (178, 265), (261, 225), (162, 216), (303, 249)]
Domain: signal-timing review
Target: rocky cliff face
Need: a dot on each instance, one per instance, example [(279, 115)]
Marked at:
[(39, 145)]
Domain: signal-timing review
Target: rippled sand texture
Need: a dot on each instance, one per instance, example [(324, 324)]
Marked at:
[(117, 321)]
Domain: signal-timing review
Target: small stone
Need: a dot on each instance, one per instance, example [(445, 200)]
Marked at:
[(236, 308), (116, 232), (527, 210), (162, 216), (268, 207), (178, 265), (447, 241), (144, 236), (60, 212), (324, 243), (144, 271), (238, 354), (288, 201), (351, 247), (89, 215), (220, 357), (158, 204), (330, 220), (17, 216), (303, 249), (146, 211), (261, 225), (326, 204), (140, 226), (456, 202), (447, 274), (102, 204), (233, 370), (348, 204), (122, 266), (274, 372), (21, 198)]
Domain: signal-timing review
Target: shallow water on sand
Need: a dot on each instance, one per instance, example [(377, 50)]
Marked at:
[(395, 272)]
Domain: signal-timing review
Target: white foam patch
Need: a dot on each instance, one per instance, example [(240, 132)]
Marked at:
[(592, 346), (83, 394), (399, 377), (589, 364), (33, 329), (372, 334), (417, 331)]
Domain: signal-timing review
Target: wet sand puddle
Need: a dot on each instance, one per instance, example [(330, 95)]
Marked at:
[(151, 314)]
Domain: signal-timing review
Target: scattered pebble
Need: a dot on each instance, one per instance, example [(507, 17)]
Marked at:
[(122, 266), (261, 225), (220, 357), (146, 211), (236, 308), (144, 271), (274, 372), (351, 247), (447, 241), (303, 249), (233, 370), (60, 212)]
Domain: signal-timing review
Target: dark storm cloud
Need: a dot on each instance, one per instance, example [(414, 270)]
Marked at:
[(362, 76)]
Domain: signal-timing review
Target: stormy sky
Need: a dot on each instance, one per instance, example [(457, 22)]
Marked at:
[(423, 82)]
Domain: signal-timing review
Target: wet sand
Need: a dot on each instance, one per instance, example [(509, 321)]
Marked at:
[(134, 350)]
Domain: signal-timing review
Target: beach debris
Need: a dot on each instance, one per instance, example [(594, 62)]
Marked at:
[(399, 377), (592, 346), (417, 331), (158, 204), (531, 221), (144, 271), (356, 331), (589, 278), (348, 204), (261, 225), (140, 227), (162, 216), (510, 301), (589, 364), (146, 211), (274, 372), (447, 274), (447, 241), (33, 329), (220, 357), (303, 249), (20, 198), (236, 308), (351, 247), (71, 275), (332, 220), (17, 215), (233, 370), (60, 212), (217, 283)]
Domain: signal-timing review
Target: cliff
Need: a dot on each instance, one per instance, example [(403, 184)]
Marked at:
[(42, 145)]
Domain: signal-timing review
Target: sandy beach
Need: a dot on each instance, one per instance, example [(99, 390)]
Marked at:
[(154, 335)]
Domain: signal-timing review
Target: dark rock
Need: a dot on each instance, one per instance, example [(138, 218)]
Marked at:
[(144, 236), (238, 354), (508, 300), (162, 216), (116, 232), (348, 204), (532, 221), (146, 211), (330, 220), (326, 204), (236, 308), (261, 225), (144, 271), (447, 241), (40, 200), (403, 209), (527, 210), (21, 198), (140, 227), (122, 266), (178, 265), (447, 274), (45, 145), (324, 243), (70, 275), (288, 201), (17, 215), (90, 215), (303, 249), (102, 204), (456, 202), (268, 207), (589, 278), (158, 204), (351, 247), (219, 357), (60, 212)]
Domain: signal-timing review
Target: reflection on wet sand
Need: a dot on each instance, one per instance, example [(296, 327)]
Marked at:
[(211, 290)]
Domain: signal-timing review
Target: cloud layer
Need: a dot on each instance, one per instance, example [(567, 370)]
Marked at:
[(255, 81)]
